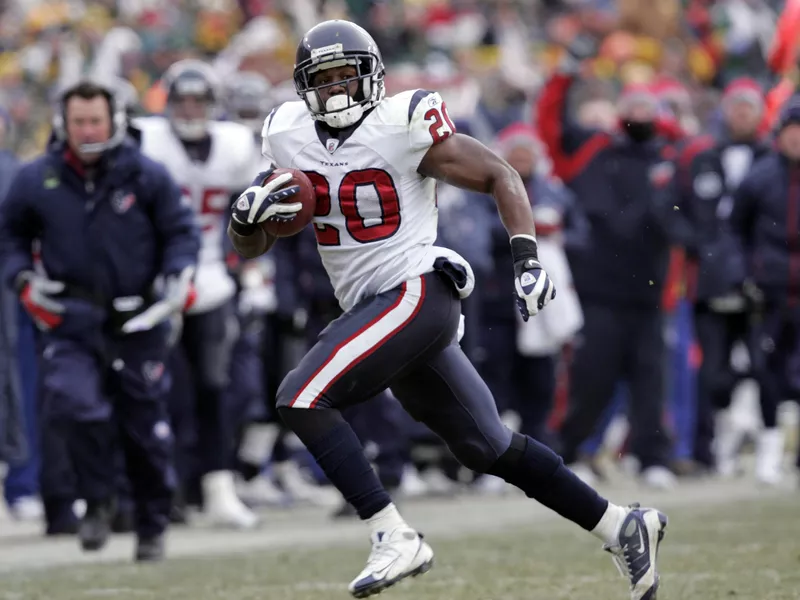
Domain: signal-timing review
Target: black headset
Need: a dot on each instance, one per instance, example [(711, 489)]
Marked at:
[(119, 118)]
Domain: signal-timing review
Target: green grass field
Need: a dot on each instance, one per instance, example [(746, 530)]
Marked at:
[(748, 550)]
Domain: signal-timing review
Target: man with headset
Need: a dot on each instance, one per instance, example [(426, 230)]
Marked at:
[(118, 252)]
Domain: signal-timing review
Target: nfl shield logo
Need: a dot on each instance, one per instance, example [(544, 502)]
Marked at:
[(121, 202), (332, 144)]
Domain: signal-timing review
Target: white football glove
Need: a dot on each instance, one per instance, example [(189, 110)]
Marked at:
[(259, 203), (36, 295), (532, 286), (176, 293)]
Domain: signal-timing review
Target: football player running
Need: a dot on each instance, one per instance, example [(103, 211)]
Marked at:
[(248, 100), (374, 162), (212, 161)]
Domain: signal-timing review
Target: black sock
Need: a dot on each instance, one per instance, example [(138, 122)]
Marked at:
[(338, 452), (540, 473)]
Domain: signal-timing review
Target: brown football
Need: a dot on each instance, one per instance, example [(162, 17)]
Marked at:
[(305, 195)]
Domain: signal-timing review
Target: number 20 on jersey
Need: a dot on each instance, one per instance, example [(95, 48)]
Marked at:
[(441, 127)]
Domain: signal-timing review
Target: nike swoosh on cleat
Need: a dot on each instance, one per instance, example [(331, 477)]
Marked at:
[(641, 542), (378, 575)]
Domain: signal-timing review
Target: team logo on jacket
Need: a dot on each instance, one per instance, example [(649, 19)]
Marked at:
[(152, 370), (51, 180), (661, 174), (121, 201)]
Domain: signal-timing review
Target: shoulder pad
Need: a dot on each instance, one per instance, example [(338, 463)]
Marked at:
[(400, 108), (285, 117), (151, 123), (230, 132)]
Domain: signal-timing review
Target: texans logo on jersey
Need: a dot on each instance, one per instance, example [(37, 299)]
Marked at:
[(121, 202), (152, 370)]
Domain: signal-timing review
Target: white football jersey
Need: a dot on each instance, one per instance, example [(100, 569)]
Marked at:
[(376, 215), (207, 187)]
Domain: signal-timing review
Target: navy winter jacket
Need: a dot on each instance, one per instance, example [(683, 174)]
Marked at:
[(109, 236), (8, 168), (708, 172), (766, 222), (614, 180)]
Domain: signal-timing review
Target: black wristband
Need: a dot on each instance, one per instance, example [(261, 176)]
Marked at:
[(243, 229), (523, 248)]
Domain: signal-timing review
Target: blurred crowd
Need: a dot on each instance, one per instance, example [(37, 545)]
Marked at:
[(497, 50), (695, 61)]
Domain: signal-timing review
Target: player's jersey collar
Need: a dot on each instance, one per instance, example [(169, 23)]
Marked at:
[(332, 138), (198, 150)]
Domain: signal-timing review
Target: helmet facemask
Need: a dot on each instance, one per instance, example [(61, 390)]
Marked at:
[(341, 110), (191, 128)]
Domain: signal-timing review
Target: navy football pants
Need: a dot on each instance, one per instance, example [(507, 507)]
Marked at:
[(404, 339)]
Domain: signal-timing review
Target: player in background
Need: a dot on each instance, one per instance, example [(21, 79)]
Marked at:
[(299, 314), (249, 98), (212, 161), (374, 163)]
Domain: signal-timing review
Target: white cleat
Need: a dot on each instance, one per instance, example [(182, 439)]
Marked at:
[(659, 478), (260, 491), (437, 483), (395, 555), (583, 472), (727, 440), (769, 456), (489, 485), (412, 485), (301, 490), (27, 508), (636, 550), (222, 505)]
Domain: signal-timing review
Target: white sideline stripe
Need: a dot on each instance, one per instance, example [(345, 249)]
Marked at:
[(361, 344)]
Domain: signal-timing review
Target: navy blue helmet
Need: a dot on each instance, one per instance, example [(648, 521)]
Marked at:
[(336, 44)]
